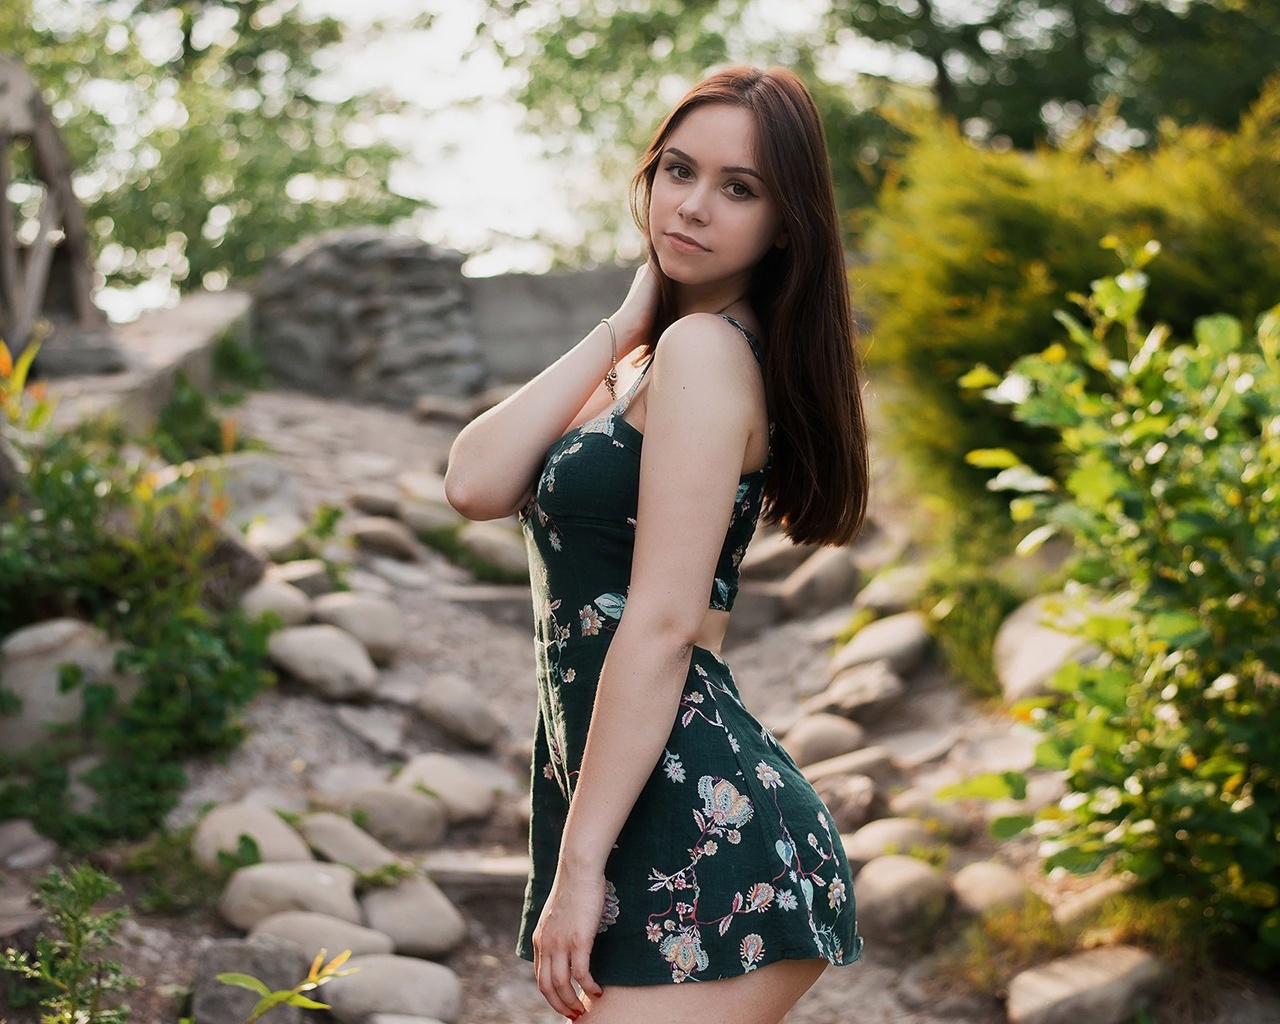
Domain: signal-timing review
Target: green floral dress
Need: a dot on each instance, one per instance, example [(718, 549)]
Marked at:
[(728, 860)]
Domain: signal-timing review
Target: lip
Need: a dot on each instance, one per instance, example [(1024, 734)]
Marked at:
[(685, 244)]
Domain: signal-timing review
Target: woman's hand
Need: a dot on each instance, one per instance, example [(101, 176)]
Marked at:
[(635, 318), (563, 939)]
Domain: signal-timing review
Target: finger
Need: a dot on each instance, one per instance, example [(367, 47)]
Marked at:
[(581, 967), (549, 989), (562, 976)]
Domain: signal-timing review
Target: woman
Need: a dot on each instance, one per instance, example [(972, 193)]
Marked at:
[(672, 838)]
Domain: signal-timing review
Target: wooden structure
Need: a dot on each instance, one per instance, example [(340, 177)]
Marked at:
[(51, 275)]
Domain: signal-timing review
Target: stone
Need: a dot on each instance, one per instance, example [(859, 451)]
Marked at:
[(509, 604), (30, 663), (342, 841), (401, 818), (249, 484), (467, 796), (221, 830), (369, 582), (260, 890), (942, 817), (759, 604), (422, 485), (229, 568), (375, 499), (859, 692), (477, 872), (987, 885), (425, 517), (1081, 906), (283, 599), (1029, 650), (1103, 986), (307, 574), (451, 703), (401, 1018), (852, 800), (824, 579), (442, 408), (893, 590), (821, 737), (386, 983), (772, 556), (497, 546), (405, 575), (417, 916), (902, 640), (1010, 749), (276, 962), (885, 836), (364, 465), (333, 782), (312, 932), (376, 622), (279, 538), (383, 535), (382, 728), (900, 899), (326, 659), (23, 848), (917, 747), (872, 761)]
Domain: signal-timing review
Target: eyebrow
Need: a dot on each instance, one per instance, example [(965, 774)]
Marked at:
[(727, 170)]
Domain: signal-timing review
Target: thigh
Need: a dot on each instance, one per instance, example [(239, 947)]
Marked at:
[(762, 996)]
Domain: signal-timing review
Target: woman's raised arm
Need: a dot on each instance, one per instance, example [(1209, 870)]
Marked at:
[(494, 461)]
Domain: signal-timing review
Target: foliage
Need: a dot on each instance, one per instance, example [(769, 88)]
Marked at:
[(172, 882), (238, 366), (319, 974), (74, 977), (966, 605), (188, 428), (445, 540), (202, 136), (92, 539), (971, 251), (1171, 454), (989, 951)]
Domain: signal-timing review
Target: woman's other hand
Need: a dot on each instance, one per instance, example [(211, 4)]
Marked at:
[(635, 319), (563, 939)]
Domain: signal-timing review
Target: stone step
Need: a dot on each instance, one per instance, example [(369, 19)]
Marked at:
[(497, 874)]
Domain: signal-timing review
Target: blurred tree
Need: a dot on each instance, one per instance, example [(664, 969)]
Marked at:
[(202, 142)]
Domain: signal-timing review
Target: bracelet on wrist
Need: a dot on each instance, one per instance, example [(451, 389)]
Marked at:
[(611, 378)]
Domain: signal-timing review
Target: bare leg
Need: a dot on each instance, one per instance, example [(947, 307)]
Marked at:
[(762, 996)]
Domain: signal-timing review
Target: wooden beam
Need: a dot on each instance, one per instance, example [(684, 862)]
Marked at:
[(9, 284), (39, 259)]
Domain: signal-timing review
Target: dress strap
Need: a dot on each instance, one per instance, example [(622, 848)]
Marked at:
[(756, 347), (622, 404)]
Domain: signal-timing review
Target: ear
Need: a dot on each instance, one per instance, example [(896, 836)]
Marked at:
[(783, 240)]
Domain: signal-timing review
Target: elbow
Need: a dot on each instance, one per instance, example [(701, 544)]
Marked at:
[(471, 499)]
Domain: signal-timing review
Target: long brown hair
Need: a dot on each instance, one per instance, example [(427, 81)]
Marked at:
[(817, 488)]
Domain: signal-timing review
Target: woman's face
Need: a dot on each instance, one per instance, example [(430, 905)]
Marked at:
[(710, 217)]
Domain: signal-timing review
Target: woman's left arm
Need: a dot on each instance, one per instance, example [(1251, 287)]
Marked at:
[(700, 409)]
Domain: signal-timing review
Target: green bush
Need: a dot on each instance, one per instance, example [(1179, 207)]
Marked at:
[(972, 250), (87, 536), (1171, 457)]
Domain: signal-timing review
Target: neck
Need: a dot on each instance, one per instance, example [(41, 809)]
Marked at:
[(711, 298)]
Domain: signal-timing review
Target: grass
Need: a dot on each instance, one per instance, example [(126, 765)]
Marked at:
[(446, 540)]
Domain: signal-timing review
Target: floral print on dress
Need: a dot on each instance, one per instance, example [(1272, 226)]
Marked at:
[(609, 916)]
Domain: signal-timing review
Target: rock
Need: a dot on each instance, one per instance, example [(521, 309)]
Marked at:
[(401, 818), (363, 580), (353, 464), (342, 841), (824, 579), (334, 782), (987, 885), (18, 914), (401, 1018), (402, 574), (250, 484), (261, 890), (220, 831), (893, 590), (394, 984), (1082, 905), (899, 899), (759, 604), (467, 796), (1102, 986), (274, 595), (902, 640), (772, 556), (451, 703), (23, 848), (331, 662), (496, 545), (424, 517), (821, 737), (30, 662), (275, 962), (375, 499), (376, 622), (279, 538), (478, 873), (307, 574), (942, 817), (383, 535), (859, 692), (1028, 650), (422, 485), (885, 836), (1011, 749), (417, 916), (229, 569), (872, 761), (917, 747), (852, 800), (382, 728), (455, 411), (509, 604), (313, 932)]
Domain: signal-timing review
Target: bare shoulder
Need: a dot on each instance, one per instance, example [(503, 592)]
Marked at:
[(701, 346)]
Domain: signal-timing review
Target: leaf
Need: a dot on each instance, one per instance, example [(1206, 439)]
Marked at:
[(244, 981), (1220, 334), (1020, 478), (298, 999), (611, 605), (1034, 540), (23, 366), (982, 787), (1178, 628), (1006, 826), (981, 376), (1076, 861), (992, 458), (6, 362)]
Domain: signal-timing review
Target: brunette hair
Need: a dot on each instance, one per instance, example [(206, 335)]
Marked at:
[(817, 488)]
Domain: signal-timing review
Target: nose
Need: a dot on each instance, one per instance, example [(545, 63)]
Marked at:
[(694, 207)]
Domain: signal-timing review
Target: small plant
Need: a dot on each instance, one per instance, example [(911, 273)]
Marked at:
[(238, 366), (1001, 943), (966, 607), (445, 540), (172, 882), (73, 977), (319, 974)]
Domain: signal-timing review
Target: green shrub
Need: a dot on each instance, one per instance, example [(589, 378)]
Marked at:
[(1170, 495), (966, 606), (972, 250)]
